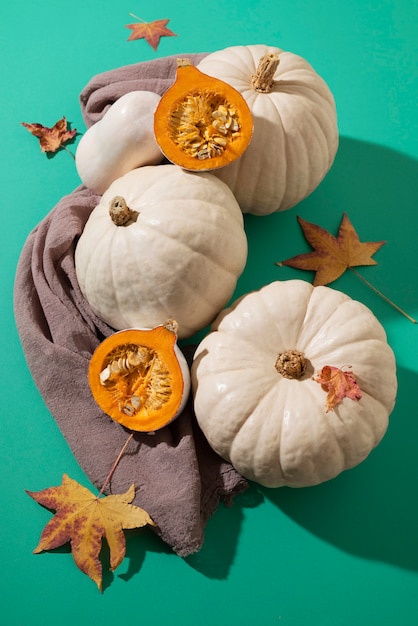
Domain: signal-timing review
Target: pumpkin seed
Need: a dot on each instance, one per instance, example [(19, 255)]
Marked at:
[(202, 125)]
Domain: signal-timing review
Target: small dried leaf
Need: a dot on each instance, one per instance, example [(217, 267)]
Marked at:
[(339, 384), (150, 31), (83, 519), (333, 255), (51, 139)]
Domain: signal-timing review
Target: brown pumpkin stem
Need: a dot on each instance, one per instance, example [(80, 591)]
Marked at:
[(183, 62), (291, 364), (171, 325), (119, 211), (263, 79)]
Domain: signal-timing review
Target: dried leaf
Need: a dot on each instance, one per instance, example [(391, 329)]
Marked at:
[(150, 31), (339, 384), (333, 255), (54, 138), (83, 519)]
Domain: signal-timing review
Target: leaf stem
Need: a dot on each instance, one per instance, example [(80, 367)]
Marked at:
[(69, 151), (137, 18), (365, 281), (114, 466)]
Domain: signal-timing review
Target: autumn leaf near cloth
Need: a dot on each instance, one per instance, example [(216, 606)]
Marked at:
[(52, 138), (338, 384), (332, 256), (83, 519), (150, 31)]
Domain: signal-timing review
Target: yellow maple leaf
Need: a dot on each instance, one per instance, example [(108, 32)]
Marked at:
[(83, 519), (333, 255)]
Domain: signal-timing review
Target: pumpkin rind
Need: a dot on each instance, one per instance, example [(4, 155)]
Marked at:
[(295, 135), (276, 430), (202, 123), (140, 378), (179, 258), (121, 141)]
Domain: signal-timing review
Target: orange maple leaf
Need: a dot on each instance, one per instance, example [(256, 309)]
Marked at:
[(339, 384), (150, 31), (83, 519), (51, 139), (333, 255)]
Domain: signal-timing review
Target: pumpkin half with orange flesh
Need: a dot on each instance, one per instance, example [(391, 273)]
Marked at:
[(201, 123), (140, 378)]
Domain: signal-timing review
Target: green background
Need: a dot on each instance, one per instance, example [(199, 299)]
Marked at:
[(341, 554)]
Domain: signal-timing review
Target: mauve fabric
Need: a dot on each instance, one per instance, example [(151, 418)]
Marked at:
[(179, 480)]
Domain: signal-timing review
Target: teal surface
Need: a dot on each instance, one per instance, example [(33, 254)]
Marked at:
[(344, 553)]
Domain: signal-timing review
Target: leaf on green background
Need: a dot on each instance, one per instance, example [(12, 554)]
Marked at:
[(150, 31), (53, 138), (83, 519), (333, 255)]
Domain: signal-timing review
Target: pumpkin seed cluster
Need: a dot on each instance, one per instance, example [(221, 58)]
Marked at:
[(137, 379), (202, 124)]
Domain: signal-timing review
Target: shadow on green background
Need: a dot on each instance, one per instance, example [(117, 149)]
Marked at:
[(378, 188), (370, 511)]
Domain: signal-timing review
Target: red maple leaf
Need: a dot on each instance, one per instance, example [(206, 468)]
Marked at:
[(150, 31), (54, 138), (339, 384)]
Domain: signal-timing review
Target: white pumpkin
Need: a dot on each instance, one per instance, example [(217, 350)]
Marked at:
[(295, 136), (121, 141), (276, 430), (178, 257)]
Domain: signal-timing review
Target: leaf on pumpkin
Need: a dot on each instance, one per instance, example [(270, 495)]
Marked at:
[(333, 255), (54, 138), (83, 519), (339, 384), (150, 31)]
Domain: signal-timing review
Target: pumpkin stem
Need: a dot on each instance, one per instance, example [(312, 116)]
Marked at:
[(119, 211), (171, 325), (263, 79), (183, 62), (291, 364)]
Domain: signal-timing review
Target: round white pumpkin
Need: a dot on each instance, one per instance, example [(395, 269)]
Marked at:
[(179, 257), (295, 136), (276, 430), (121, 141)]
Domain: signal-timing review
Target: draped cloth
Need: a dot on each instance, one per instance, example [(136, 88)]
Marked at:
[(178, 478)]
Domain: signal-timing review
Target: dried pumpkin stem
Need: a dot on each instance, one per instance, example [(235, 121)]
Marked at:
[(114, 466), (379, 293), (291, 364), (263, 79), (183, 62), (119, 211)]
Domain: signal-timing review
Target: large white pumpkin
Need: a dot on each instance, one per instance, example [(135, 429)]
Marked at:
[(295, 136), (276, 430), (179, 257)]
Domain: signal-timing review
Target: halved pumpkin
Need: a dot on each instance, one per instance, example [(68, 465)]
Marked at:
[(140, 378), (202, 123)]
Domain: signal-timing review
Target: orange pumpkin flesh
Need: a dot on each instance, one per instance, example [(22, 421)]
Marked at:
[(136, 378), (201, 123)]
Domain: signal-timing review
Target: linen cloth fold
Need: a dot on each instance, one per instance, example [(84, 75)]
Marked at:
[(178, 478)]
